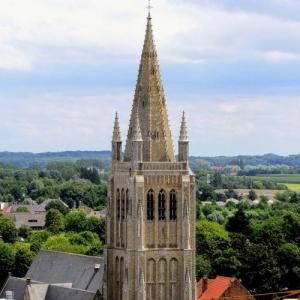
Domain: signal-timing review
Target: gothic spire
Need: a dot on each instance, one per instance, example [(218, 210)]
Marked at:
[(150, 107), (183, 130), (117, 133)]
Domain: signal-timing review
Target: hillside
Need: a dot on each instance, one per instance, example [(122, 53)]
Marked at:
[(27, 159)]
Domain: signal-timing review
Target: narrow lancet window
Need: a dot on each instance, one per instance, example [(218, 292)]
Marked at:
[(150, 205), (123, 204), (127, 204), (173, 205), (162, 205), (118, 204)]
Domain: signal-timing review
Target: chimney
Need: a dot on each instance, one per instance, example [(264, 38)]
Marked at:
[(28, 281), (204, 284), (9, 295)]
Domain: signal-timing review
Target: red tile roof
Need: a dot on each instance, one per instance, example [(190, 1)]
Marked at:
[(215, 287)]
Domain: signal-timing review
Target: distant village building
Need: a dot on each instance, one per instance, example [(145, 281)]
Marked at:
[(92, 213), (34, 217), (222, 288)]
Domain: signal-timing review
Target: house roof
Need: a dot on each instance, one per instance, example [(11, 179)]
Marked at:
[(56, 292), (57, 267), (215, 287), (32, 208), (16, 285), (42, 291)]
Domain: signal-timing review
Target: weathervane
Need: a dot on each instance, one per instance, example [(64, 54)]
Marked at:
[(149, 7)]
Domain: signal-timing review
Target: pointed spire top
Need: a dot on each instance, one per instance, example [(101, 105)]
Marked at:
[(183, 130), (117, 132), (149, 7), (150, 105), (136, 133)]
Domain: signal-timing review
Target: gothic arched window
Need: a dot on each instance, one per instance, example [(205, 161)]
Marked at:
[(150, 205), (127, 203), (118, 204), (173, 278), (162, 205), (162, 279), (122, 271), (173, 205), (117, 278), (151, 279), (123, 204)]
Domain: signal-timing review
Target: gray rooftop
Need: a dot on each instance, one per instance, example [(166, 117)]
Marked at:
[(41, 291), (58, 267)]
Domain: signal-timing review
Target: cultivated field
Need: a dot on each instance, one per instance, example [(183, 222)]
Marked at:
[(244, 193), (293, 186), (279, 178)]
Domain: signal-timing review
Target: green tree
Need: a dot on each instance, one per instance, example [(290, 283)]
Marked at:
[(76, 221), (252, 195), (217, 180), (230, 193), (97, 225), (22, 209), (24, 231), (37, 238), (239, 223), (203, 267), (206, 193), (90, 174), (8, 230), (62, 243), (289, 262), (72, 193), (54, 220), (59, 205), (23, 259), (7, 259)]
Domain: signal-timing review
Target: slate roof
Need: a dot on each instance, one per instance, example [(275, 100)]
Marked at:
[(41, 291), (58, 267), (17, 285), (63, 293)]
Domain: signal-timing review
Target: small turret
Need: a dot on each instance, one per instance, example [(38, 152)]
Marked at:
[(183, 143), (116, 141), (137, 140)]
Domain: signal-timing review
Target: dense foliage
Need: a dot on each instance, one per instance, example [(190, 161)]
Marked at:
[(74, 232), (68, 181), (260, 245)]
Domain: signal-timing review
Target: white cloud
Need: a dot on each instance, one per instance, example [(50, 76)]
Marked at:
[(229, 107), (278, 56), (90, 31), (13, 59), (68, 121)]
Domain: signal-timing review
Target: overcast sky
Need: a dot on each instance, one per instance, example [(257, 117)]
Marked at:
[(233, 65)]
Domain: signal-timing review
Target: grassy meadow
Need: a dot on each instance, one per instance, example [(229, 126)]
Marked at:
[(279, 178), (292, 181)]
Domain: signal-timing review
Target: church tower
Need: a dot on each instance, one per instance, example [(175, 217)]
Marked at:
[(151, 213)]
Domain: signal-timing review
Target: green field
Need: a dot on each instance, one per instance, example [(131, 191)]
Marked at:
[(279, 178), (293, 186)]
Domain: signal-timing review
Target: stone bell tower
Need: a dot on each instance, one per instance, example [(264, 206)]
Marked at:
[(151, 216)]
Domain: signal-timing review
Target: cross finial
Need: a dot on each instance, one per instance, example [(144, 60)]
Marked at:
[(149, 7)]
